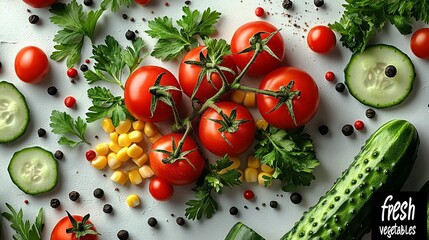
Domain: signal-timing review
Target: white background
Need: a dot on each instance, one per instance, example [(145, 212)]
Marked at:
[(334, 150)]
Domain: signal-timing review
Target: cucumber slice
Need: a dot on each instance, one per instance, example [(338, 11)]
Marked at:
[(14, 113), (366, 79), (34, 170)]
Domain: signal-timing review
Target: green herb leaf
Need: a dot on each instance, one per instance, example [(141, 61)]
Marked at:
[(24, 230), (72, 131), (115, 5)]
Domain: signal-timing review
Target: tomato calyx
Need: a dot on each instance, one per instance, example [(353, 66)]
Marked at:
[(161, 93), (258, 44), (80, 229), (285, 95)]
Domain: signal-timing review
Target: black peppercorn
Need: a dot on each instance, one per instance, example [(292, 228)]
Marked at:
[(124, 16), (59, 155), (287, 4), (107, 208), (180, 221), (33, 19), (295, 198), (340, 87), (130, 35), (347, 130), (55, 203), (98, 193), (88, 2), (0, 65), (274, 204), (152, 222), (187, 2), (370, 113), (123, 234), (41, 132), (390, 71), (323, 129), (74, 196), (84, 67), (233, 211), (319, 3), (52, 90)]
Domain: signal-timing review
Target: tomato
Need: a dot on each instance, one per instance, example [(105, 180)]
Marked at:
[(160, 189), (239, 136), (321, 39), (185, 169), (59, 231), (40, 3), (31, 64), (138, 98), (304, 106), (264, 63), (419, 43), (143, 2), (189, 73)]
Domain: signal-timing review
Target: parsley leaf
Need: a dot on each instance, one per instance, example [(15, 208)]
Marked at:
[(174, 41), (290, 153), (115, 5), (106, 105), (76, 26), (217, 178), (24, 230), (63, 124)]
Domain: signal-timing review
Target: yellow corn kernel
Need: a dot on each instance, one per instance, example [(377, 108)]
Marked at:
[(124, 140), (135, 177), (150, 129), (249, 99), (251, 174), (241, 178), (236, 162), (114, 147), (102, 149), (253, 162), (107, 125), (141, 160), (122, 154), (237, 96), (123, 126), (133, 200), (138, 125), (266, 168), (112, 161), (155, 138), (134, 151), (261, 179), (119, 177), (146, 171), (135, 136), (99, 162), (114, 137), (261, 124)]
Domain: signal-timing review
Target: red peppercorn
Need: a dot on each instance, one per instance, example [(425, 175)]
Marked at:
[(166, 4), (87, 61), (329, 76), (26, 201), (259, 12), (70, 101), (90, 155), (248, 194), (72, 72), (359, 125)]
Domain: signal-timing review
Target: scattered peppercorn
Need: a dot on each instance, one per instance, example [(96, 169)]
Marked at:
[(390, 71), (123, 234), (74, 196), (87, 61), (59, 155), (55, 203), (340, 87), (295, 198), (52, 90), (166, 4), (0, 65), (84, 67), (347, 130), (188, 2), (90, 155), (26, 201), (132, 19), (323, 129), (259, 12), (70, 101), (33, 19), (359, 125), (329, 76), (248, 194), (41, 132), (233, 211), (152, 222), (264, 204), (130, 35), (370, 113), (287, 4), (107, 208), (274, 204), (246, 207), (124, 16), (180, 221), (88, 2), (72, 72), (98, 193), (319, 3)]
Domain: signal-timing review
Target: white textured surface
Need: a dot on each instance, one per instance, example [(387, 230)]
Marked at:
[(334, 150)]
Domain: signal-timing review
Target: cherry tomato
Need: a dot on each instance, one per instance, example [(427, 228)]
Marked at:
[(234, 137), (70, 101), (264, 63), (189, 74), (160, 189), (419, 43), (138, 97), (59, 231), (304, 106), (40, 3), (248, 194), (143, 2), (184, 170), (71, 72), (31, 64), (321, 39)]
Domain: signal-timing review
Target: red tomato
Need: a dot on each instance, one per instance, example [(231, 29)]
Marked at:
[(189, 73), (31, 64), (321, 39), (264, 63), (239, 136), (419, 43), (184, 170), (40, 3), (137, 95), (304, 106), (143, 2), (160, 189), (59, 231)]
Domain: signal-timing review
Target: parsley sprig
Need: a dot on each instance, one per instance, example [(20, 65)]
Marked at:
[(290, 153), (72, 131), (115, 5), (24, 229), (173, 41), (216, 179)]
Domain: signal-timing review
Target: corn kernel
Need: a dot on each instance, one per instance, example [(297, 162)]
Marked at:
[(133, 200), (261, 124), (124, 140), (155, 138), (114, 147), (119, 177), (122, 154), (123, 126), (113, 162), (114, 137), (261, 179), (236, 162), (253, 162), (237, 96), (135, 177), (107, 125), (138, 125), (135, 136), (99, 162), (266, 168), (134, 151), (102, 149), (251, 174), (249, 99), (141, 160), (146, 171), (150, 129)]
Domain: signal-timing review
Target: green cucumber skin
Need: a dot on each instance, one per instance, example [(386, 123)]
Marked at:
[(383, 164), (240, 231), (425, 188)]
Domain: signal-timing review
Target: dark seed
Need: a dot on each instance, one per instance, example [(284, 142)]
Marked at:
[(152, 222), (33, 19), (130, 35), (59, 155), (347, 130), (123, 234), (41, 132), (0, 65), (84, 67), (107, 208), (88, 2), (188, 2), (124, 16), (295, 198), (287, 4), (52, 90), (233, 211), (98, 193), (370, 113), (340, 87), (319, 3), (274, 204), (55, 203), (390, 71), (323, 129), (73, 195), (180, 221)]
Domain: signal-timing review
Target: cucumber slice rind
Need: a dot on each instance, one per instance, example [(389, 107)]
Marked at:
[(366, 80), (33, 170)]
